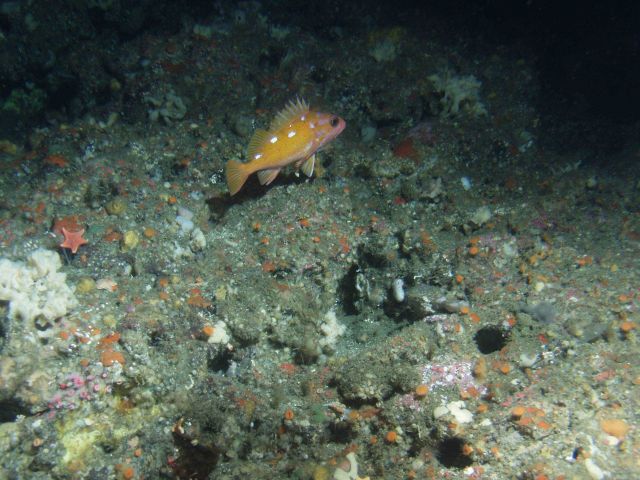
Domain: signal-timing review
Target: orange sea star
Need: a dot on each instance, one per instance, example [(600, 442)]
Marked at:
[(73, 240)]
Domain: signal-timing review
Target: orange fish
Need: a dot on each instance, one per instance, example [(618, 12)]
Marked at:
[(295, 135)]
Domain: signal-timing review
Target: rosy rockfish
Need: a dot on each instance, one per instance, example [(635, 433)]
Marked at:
[(295, 135)]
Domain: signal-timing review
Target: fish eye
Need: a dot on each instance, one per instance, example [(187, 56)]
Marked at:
[(334, 122)]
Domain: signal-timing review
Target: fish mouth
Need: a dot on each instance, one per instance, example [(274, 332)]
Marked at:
[(337, 129), (334, 133)]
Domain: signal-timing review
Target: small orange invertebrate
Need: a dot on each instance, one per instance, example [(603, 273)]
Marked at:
[(354, 416), (627, 326), (268, 266), (474, 250), (149, 232), (615, 427), (288, 414), (304, 222), (128, 473), (422, 390), (112, 236), (391, 437), (109, 357), (544, 425), (427, 242), (197, 300), (584, 261), (525, 421), (470, 392), (288, 368), (344, 243), (406, 149), (56, 160), (518, 411), (107, 341), (208, 330), (480, 369), (504, 367)]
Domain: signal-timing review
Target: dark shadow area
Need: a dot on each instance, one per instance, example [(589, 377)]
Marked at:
[(490, 339), (10, 409), (451, 453)]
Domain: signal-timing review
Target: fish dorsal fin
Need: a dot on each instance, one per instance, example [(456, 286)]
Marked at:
[(256, 143), (293, 110)]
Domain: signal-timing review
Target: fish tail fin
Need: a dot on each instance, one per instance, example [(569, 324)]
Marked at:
[(237, 174)]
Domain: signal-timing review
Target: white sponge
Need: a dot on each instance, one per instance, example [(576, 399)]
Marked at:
[(36, 289)]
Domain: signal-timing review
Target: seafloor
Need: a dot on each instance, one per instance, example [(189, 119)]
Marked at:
[(453, 294)]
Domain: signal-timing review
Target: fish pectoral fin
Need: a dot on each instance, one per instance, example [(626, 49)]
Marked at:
[(267, 176), (257, 142), (308, 164)]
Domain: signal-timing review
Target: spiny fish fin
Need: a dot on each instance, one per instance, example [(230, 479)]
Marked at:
[(236, 176), (292, 111), (308, 164), (256, 143), (268, 176)]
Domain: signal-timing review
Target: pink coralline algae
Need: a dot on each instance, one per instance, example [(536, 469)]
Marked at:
[(75, 388), (457, 374), (410, 401)]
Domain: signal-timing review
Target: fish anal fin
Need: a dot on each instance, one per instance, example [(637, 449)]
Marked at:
[(267, 176)]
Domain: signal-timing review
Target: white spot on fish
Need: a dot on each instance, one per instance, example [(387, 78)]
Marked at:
[(302, 118), (312, 125), (274, 139), (291, 134), (257, 156)]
